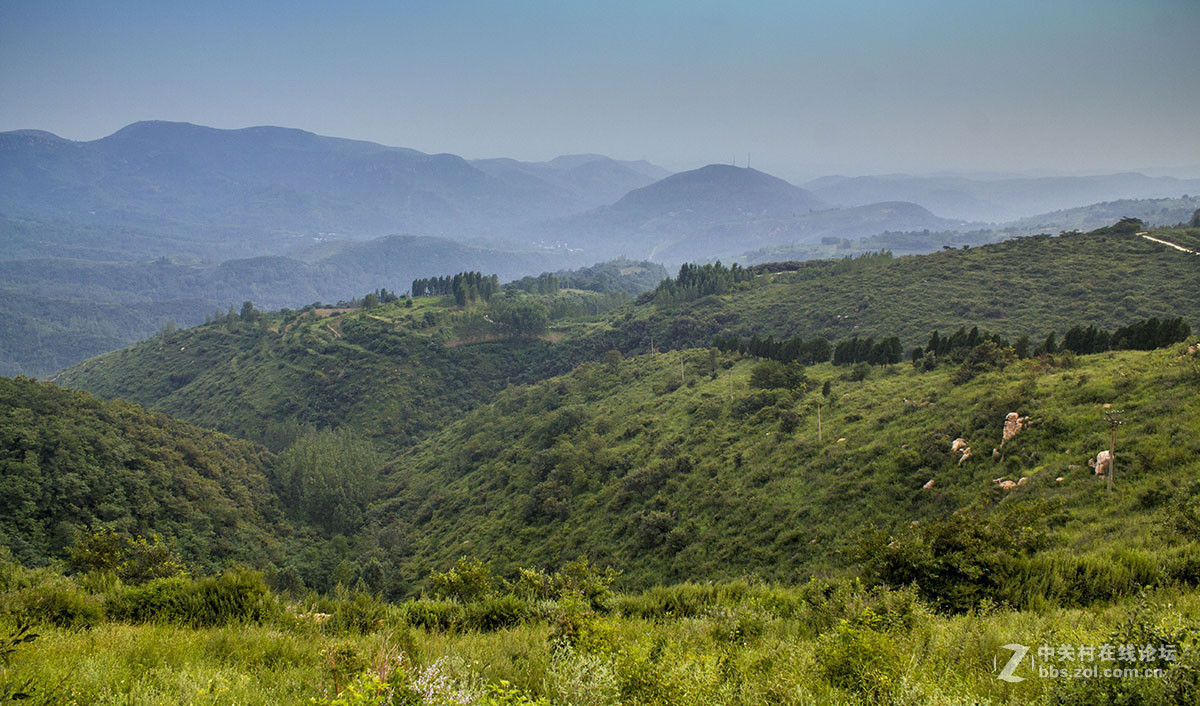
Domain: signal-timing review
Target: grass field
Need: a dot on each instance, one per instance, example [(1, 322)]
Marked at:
[(855, 648)]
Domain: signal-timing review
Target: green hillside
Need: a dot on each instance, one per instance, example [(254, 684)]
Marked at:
[(530, 446), (776, 533), (883, 591), (671, 481), (1026, 286), (70, 462), (392, 373), (55, 312), (385, 368)]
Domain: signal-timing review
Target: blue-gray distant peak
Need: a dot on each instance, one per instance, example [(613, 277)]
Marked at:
[(272, 183), (723, 187)]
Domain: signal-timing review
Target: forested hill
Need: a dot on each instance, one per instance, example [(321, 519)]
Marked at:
[(396, 372), (1025, 286), (539, 424), (702, 465), (391, 371), (56, 312), (70, 461)]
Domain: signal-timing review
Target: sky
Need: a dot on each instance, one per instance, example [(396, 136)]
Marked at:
[(799, 88)]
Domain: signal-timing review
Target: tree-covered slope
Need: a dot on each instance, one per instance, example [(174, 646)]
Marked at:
[(399, 372), (674, 467), (1025, 286), (56, 312), (70, 461), (392, 373)]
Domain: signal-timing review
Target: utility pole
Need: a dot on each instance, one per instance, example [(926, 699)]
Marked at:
[(1113, 422)]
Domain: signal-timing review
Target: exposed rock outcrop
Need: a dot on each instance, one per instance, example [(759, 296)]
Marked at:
[(1013, 424), (1101, 463)]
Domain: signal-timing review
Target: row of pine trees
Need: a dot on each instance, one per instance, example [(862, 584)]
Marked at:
[(695, 281), (1142, 335), (465, 286)]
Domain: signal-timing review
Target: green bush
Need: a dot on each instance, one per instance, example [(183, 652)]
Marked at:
[(960, 560), (736, 626), (14, 577), (1184, 513), (432, 614), (579, 577), (354, 613), (861, 660), (56, 602), (232, 597), (1143, 626), (467, 580), (573, 624), (1079, 580), (168, 600), (495, 613), (534, 585), (1182, 565), (771, 374), (134, 560)]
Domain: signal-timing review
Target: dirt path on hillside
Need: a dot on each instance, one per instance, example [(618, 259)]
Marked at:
[(1169, 244)]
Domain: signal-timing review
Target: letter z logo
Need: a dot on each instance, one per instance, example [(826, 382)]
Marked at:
[(1018, 654)]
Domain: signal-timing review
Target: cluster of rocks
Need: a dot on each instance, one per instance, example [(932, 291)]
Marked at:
[(1014, 423)]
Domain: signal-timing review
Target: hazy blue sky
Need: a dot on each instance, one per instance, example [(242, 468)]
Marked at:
[(846, 86)]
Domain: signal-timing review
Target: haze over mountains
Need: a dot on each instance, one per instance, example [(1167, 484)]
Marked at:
[(1001, 199), (284, 217), (222, 194), (260, 190)]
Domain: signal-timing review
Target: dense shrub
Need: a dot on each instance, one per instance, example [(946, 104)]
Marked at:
[(494, 613), (1082, 580), (134, 560), (1180, 683), (959, 560), (1184, 512), (772, 374), (467, 580), (432, 614), (232, 597), (57, 602), (579, 577), (355, 612), (862, 660)]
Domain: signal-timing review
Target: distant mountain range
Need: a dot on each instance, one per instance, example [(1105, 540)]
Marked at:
[(260, 190), (1154, 212), (161, 188), (997, 200)]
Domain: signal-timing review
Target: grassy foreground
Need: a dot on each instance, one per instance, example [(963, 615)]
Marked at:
[(733, 644)]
